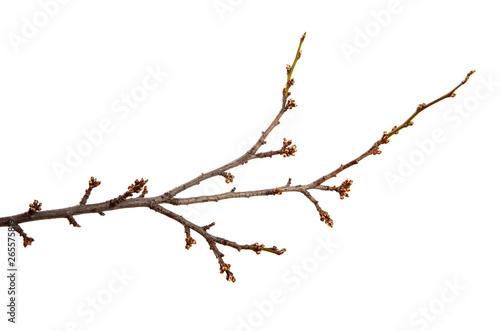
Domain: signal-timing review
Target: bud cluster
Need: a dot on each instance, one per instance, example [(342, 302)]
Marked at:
[(290, 104), (137, 186), (257, 248), (279, 252), (189, 241), (34, 207), (344, 188), (325, 217), (93, 182), (226, 268), (288, 150), (228, 176)]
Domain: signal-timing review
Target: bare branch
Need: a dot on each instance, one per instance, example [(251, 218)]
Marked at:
[(213, 240), (126, 200), (93, 183), (286, 104)]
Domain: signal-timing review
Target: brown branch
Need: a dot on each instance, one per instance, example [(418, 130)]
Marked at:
[(323, 215), (213, 240), (26, 240), (374, 150), (136, 187), (73, 222), (286, 105), (93, 183), (126, 200)]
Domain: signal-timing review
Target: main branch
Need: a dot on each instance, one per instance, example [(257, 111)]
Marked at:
[(157, 203)]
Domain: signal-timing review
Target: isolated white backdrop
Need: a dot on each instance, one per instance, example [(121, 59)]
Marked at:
[(420, 253)]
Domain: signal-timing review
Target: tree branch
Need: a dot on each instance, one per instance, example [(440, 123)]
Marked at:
[(126, 200)]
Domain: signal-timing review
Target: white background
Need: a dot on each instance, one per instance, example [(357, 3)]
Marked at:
[(418, 254)]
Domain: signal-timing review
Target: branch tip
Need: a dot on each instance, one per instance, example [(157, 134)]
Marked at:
[(468, 76), (26, 240), (227, 269), (73, 222), (189, 240), (93, 183), (325, 217), (207, 227)]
